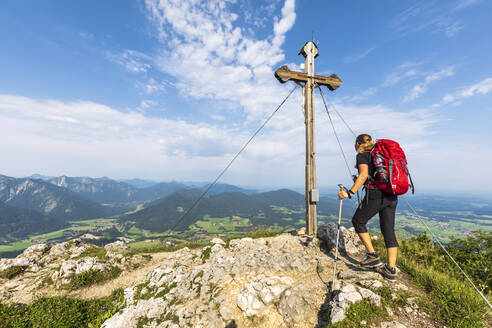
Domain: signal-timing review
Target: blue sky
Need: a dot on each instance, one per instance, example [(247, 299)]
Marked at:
[(170, 90)]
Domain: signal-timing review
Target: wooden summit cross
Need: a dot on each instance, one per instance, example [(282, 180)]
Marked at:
[(308, 80)]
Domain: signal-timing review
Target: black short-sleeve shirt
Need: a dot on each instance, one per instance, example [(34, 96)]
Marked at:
[(366, 158)]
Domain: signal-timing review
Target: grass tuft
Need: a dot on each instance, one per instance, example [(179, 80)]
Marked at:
[(12, 272), (94, 251), (206, 254), (61, 312), (91, 277)]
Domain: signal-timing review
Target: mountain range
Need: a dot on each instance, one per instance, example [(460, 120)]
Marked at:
[(108, 191), (39, 204), (16, 223), (261, 209), (49, 199)]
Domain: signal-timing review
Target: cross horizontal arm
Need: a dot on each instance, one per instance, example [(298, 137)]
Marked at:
[(284, 74)]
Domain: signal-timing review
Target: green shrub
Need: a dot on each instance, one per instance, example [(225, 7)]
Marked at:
[(165, 248), (474, 254), (206, 254), (142, 322), (92, 277), (61, 312), (94, 251), (166, 289), (169, 316), (12, 272), (14, 316)]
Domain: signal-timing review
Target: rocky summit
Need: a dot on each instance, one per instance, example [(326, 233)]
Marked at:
[(281, 281)]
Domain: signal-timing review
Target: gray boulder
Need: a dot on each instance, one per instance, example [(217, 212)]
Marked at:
[(348, 243)]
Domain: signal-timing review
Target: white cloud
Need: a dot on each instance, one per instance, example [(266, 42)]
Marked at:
[(85, 123), (210, 56), (86, 138), (420, 89), (133, 61), (481, 88), (350, 59)]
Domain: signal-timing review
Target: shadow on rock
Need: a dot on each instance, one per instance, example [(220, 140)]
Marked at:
[(231, 324), (324, 311)]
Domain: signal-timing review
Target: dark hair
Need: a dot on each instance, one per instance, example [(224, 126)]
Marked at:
[(363, 138), (365, 143)]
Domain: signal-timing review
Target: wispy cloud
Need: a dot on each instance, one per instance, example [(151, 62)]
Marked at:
[(152, 86), (438, 17), (403, 72), (86, 35), (354, 58), (462, 4), (421, 88), (146, 104), (481, 88), (133, 61)]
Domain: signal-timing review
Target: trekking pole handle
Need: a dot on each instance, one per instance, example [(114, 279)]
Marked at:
[(342, 188)]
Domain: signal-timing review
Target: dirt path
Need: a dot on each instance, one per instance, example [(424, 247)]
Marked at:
[(127, 278)]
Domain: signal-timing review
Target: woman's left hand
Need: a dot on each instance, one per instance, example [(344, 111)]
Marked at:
[(342, 194)]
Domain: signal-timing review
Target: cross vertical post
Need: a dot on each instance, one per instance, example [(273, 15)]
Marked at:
[(309, 81), (309, 51)]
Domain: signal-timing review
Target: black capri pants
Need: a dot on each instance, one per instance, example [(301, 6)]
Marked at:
[(386, 207)]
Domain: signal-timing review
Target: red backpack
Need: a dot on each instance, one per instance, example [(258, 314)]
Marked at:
[(391, 173)]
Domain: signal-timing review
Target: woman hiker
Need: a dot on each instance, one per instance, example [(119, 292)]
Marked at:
[(375, 201)]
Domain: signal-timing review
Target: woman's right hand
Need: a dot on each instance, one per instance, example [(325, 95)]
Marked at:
[(342, 194)]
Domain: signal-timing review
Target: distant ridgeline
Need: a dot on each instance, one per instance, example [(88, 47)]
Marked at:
[(53, 209)]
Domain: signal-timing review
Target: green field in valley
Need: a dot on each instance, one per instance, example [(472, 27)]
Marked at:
[(76, 229), (445, 224)]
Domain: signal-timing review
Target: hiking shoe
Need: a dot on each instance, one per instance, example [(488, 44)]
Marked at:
[(387, 272), (371, 260)]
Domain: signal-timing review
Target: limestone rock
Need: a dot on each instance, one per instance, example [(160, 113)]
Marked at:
[(374, 284), (18, 261), (35, 252), (296, 305), (218, 241), (70, 268), (261, 292), (265, 282), (117, 245), (130, 316)]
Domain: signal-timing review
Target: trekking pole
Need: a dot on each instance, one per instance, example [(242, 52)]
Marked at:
[(338, 235), (354, 178)]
